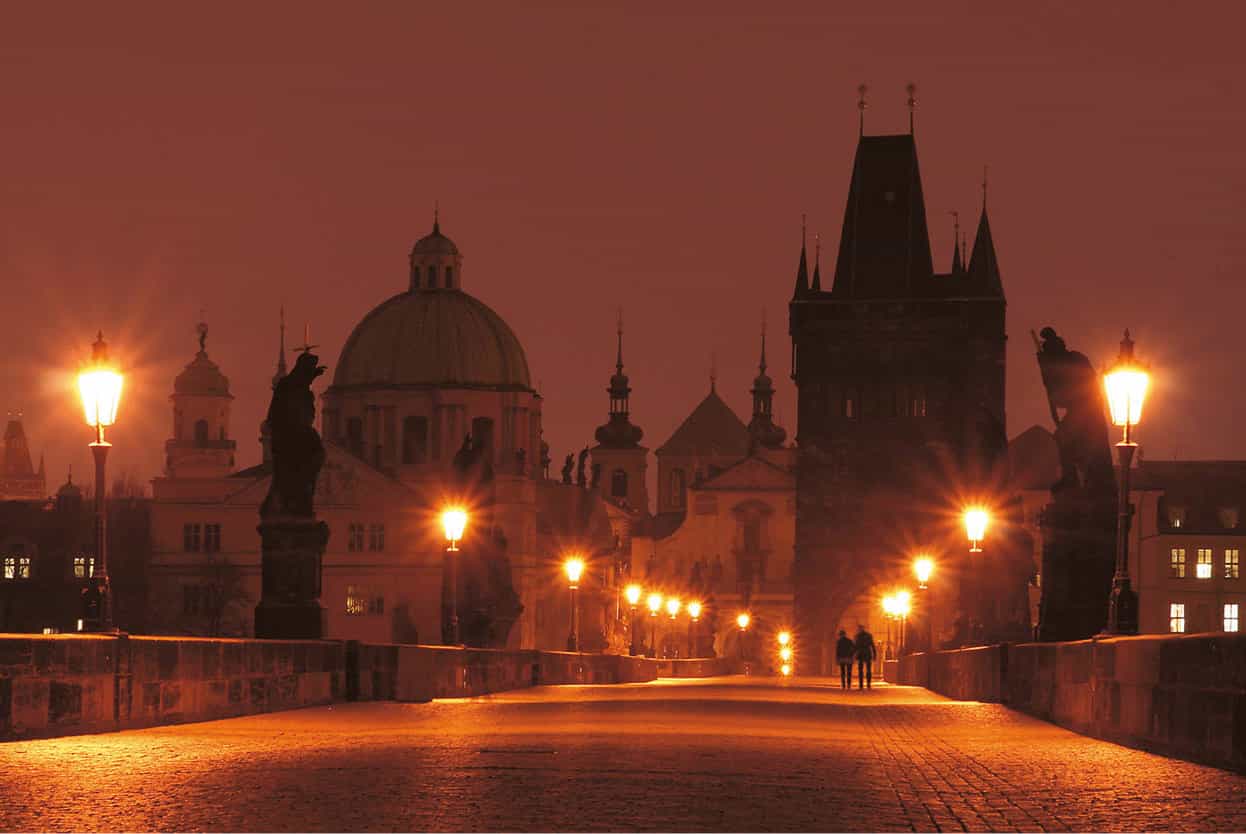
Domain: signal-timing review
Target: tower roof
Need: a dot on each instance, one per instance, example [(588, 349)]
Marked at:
[(202, 377), (884, 250), (983, 269), (619, 432), (17, 463), (711, 429)]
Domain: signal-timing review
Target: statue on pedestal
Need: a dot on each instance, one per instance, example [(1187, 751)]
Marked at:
[(292, 541)]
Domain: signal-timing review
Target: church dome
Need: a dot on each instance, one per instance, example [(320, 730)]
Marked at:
[(439, 337), (435, 244), (202, 377)]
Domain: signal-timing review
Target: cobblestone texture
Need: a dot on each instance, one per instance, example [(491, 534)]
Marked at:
[(718, 755)]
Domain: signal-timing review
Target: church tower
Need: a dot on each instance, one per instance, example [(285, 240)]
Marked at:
[(900, 379), (762, 430), (201, 446), (618, 451)]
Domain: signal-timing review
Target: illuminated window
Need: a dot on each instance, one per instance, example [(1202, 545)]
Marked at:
[(1176, 516), (1203, 569), (211, 538), (1230, 616), (354, 538), (23, 567), (376, 537), (84, 567), (1176, 618), (361, 601), (1176, 563), (850, 407), (190, 537), (1231, 563), (10, 567), (1228, 517)]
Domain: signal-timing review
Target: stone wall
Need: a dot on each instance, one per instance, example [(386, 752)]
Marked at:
[(63, 684), (1180, 695)]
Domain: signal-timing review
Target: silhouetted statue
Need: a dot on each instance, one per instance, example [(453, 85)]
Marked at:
[(580, 467), (1081, 433), (471, 464), (567, 466), (545, 460), (298, 453)]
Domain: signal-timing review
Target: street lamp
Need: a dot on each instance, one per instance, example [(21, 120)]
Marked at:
[(632, 593), (785, 654), (453, 522), (1126, 386), (976, 519), (742, 620), (672, 608), (654, 602), (889, 610), (694, 615), (99, 385), (923, 568), (784, 637), (574, 568), (903, 606)]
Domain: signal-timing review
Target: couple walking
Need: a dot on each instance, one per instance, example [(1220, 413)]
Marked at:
[(862, 650)]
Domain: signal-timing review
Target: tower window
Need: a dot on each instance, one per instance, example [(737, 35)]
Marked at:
[(201, 432), (449, 277), (432, 277), (618, 484), (482, 436), (415, 277), (414, 439)]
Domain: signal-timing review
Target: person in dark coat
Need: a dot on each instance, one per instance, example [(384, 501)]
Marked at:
[(865, 652), (845, 649)]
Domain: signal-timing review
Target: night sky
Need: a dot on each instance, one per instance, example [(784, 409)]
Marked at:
[(160, 159)]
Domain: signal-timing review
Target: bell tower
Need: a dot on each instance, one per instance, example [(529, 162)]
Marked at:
[(618, 451), (200, 446)]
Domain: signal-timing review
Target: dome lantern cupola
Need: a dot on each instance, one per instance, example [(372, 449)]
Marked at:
[(435, 261), (761, 428)]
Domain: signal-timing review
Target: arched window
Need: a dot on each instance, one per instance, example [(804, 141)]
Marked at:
[(482, 436), (414, 439), (432, 277), (618, 484), (201, 432), (678, 487), (415, 277), (449, 277)]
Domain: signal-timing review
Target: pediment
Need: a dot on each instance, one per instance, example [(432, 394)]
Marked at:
[(751, 473)]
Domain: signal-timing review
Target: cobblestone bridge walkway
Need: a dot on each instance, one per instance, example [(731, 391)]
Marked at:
[(725, 754)]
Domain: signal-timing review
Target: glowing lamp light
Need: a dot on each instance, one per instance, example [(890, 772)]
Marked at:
[(889, 605), (976, 519), (99, 385), (786, 669), (454, 521), (923, 567), (742, 620), (694, 610), (574, 568), (1126, 385), (655, 603), (784, 638), (785, 653), (903, 603), (672, 606), (633, 594)]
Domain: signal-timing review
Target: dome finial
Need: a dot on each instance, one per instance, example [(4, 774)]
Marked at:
[(619, 359), (762, 365), (436, 217), (202, 329)]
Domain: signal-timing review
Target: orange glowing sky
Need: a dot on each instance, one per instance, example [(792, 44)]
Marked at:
[(162, 159)]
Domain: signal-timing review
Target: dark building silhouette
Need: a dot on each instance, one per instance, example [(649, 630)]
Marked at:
[(900, 378)]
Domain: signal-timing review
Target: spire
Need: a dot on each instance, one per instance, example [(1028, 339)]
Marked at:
[(618, 432), (436, 217), (983, 266), (761, 428), (281, 348), (861, 105), (958, 265), (802, 271), (912, 91), (713, 372), (817, 263), (761, 365)]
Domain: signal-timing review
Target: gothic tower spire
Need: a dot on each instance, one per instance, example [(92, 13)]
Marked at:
[(802, 270), (761, 428)]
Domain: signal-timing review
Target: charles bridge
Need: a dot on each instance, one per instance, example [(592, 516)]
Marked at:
[(562, 740)]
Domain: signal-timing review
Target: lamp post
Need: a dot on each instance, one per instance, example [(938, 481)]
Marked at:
[(99, 385), (784, 639), (976, 521), (694, 616), (574, 568), (654, 601), (903, 606), (889, 611), (1126, 386), (742, 620), (632, 592), (672, 608), (453, 521), (923, 568)]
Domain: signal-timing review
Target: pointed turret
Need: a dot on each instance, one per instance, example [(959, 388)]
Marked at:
[(761, 428), (983, 266), (18, 479), (619, 433), (958, 264), (817, 265), (802, 271)]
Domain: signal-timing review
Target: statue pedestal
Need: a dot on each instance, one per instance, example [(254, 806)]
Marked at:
[(1079, 547), (292, 550)]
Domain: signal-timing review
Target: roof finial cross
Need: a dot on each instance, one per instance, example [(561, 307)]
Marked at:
[(307, 346), (619, 359), (861, 105), (912, 91)]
